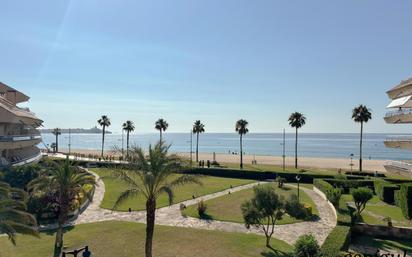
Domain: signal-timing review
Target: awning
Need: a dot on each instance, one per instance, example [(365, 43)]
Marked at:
[(404, 102)]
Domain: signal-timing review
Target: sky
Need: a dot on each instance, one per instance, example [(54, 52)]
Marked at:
[(213, 60)]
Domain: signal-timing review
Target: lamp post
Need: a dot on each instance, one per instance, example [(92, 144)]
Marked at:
[(351, 162), (298, 179), (191, 139)]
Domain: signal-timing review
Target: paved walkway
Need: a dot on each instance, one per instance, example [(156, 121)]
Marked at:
[(171, 216)]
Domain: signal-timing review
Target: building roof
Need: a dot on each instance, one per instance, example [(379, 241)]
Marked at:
[(18, 97)]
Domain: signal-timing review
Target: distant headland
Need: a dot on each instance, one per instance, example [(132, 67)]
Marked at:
[(94, 130)]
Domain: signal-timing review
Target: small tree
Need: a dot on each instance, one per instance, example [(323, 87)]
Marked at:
[(263, 210), (361, 196), (306, 246), (281, 181), (334, 195)]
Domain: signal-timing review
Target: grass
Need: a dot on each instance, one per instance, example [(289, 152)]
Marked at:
[(376, 210), (228, 207), (383, 244), (275, 168), (210, 185), (126, 239)]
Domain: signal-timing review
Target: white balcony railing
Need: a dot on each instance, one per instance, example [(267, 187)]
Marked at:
[(398, 112), (399, 165), (16, 138)]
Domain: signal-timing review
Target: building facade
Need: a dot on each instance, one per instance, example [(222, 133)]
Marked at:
[(19, 135), (400, 113)]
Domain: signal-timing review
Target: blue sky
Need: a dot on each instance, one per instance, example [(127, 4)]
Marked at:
[(216, 61)]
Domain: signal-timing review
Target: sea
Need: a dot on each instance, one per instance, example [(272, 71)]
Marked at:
[(329, 145)]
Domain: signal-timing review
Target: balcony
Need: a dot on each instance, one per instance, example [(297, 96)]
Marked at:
[(19, 141), (399, 116), (30, 158), (398, 167), (400, 142)]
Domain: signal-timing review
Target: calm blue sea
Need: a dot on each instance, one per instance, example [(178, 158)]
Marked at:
[(310, 144)]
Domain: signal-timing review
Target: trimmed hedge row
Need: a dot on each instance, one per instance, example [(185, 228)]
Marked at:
[(386, 191), (404, 200), (337, 241), (346, 185), (255, 175), (364, 174)]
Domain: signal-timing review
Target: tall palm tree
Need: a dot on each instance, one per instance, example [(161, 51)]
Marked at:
[(362, 115), (128, 126), (296, 120), (161, 125), (57, 132), (104, 121), (150, 176), (64, 183), (241, 128), (198, 128), (13, 216)]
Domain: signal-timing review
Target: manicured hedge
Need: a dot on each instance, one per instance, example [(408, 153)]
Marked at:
[(397, 181), (364, 174), (386, 191), (322, 185), (346, 185), (256, 175), (337, 241), (404, 200)]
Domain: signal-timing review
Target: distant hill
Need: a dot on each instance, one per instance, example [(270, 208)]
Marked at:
[(94, 130)]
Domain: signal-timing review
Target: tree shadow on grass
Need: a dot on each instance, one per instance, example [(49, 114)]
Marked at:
[(274, 253), (53, 231), (206, 217)]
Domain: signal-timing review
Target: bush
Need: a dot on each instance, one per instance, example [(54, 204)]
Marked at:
[(404, 200), (19, 177), (344, 213), (297, 210), (201, 208), (280, 181), (346, 185), (364, 174), (337, 241), (386, 191), (306, 246), (322, 185), (361, 196), (334, 195)]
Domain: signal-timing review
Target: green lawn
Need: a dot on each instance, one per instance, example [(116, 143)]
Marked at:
[(227, 208), (125, 239), (210, 185), (376, 211)]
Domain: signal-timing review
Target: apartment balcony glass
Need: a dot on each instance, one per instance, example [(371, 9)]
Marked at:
[(399, 116)]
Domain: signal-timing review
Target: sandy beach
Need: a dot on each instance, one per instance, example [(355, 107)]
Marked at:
[(304, 162)]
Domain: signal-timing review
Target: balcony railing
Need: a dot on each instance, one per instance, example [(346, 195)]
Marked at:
[(399, 165), (398, 112), (16, 138)]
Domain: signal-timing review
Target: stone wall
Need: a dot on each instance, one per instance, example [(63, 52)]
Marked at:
[(382, 231)]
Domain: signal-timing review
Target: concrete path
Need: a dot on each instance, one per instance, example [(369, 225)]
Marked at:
[(171, 216)]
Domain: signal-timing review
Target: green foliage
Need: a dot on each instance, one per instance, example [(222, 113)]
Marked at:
[(263, 210), (19, 177), (404, 200), (201, 208), (344, 213), (297, 210), (361, 196), (334, 196), (347, 185), (338, 240), (385, 191), (322, 185), (281, 181), (306, 246)]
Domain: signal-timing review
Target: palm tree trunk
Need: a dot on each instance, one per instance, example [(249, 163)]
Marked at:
[(104, 132), (197, 147), (241, 152), (127, 145), (360, 147), (58, 244), (160, 135), (296, 149), (150, 222), (57, 143)]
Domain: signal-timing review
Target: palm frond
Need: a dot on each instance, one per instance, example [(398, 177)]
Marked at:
[(130, 193)]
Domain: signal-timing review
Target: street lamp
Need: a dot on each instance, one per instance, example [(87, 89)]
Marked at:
[(298, 179), (351, 162)]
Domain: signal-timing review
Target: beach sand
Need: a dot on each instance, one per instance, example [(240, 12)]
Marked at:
[(304, 162)]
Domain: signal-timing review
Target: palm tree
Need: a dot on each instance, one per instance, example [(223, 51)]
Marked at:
[(198, 128), (161, 125), (13, 216), (104, 121), (362, 115), (64, 183), (128, 126), (57, 132), (296, 120), (150, 176), (241, 128)]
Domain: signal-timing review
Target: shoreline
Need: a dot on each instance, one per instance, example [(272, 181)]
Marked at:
[(304, 162)]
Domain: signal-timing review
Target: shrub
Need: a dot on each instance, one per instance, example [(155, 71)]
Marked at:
[(338, 240), (201, 208), (297, 210), (334, 195), (20, 176), (346, 185), (322, 185), (306, 246), (386, 191), (404, 200), (361, 196), (280, 181)]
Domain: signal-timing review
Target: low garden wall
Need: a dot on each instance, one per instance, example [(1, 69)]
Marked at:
[(382, 231)]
